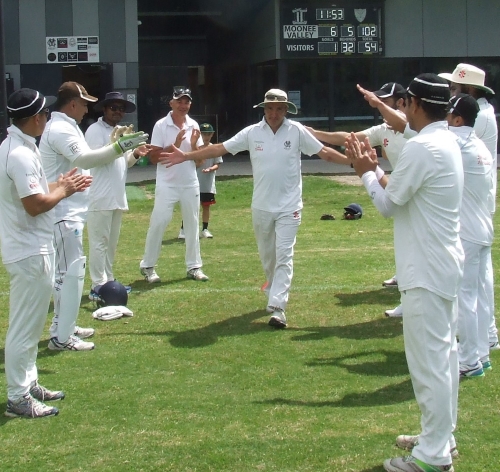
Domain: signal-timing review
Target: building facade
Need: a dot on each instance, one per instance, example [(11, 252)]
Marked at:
[(230, 52)]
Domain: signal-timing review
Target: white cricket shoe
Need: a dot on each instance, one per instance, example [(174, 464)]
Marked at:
[(181, 234), (206, 234), (150, 274), (196, 274), (278, 319), (396, 313), (392, 282), (84, 333), (74, 343)]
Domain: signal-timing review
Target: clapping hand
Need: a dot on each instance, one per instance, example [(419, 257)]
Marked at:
[(362, 156)]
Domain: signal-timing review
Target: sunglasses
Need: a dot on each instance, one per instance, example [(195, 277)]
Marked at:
[(274, 98), (179, 91), (45, 111), (119, 108)]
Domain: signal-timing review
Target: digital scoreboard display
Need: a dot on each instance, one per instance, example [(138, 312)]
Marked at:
[(342, 29)]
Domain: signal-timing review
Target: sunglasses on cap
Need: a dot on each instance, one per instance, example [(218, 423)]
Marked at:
[(181, 91), (119, 108), (273, 97)]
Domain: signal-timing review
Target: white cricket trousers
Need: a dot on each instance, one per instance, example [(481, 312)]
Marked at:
[(103, 228), (165, 200), (429, 327), (276, 234), (490, 292), (473, 306), (31, 283), (68, 240)]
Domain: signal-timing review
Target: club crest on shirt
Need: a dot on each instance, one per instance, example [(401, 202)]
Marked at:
[(288, 145), (386, 142), (75, 148), (259, 145), (33, 183)]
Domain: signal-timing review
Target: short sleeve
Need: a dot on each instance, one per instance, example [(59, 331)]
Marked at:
[(25, 171)]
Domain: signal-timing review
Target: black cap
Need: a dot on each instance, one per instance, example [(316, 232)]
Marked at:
[(430, 88), (27, 102), (464, 105), (181, 91), (391, 89)]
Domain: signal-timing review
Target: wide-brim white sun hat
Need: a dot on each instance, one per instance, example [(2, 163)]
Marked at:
[(467, 74), (278, 96)]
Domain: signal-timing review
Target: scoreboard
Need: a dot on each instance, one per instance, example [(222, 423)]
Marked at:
[(317, 28)]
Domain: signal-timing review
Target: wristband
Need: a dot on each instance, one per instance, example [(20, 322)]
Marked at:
[(379, 173)]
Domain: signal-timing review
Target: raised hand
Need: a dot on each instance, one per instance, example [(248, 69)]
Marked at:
[(362, 156), (129, 142), (195, 135)]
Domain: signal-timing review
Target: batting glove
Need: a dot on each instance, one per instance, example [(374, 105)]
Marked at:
[(129, 142)]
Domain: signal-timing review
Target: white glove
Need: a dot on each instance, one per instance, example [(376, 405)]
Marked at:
[(129, 142), (119, 131)]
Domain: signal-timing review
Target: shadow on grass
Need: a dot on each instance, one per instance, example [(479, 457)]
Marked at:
[(169, 242), (381, 328), (210, 334), (377, 468), (393, 365), (384, 296), (388, 395)]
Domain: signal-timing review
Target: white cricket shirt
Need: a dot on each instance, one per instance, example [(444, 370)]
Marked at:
[(391, 141), (61, 143), (475, 217), (107, 191), (276, 164), (427, 187), (164, 134), (487, 131), (21, 175)]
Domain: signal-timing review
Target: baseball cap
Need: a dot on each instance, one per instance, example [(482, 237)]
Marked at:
[(464, 105), (430, 88), (467, 74), (391, 89), (206, 128), (70, 90), (181, 91), (27, 102)]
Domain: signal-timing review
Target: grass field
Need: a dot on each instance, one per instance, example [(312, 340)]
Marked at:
[(197, 380)]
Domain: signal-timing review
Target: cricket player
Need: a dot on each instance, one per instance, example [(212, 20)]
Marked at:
[(424, 195), (26, 234), (275, 145)]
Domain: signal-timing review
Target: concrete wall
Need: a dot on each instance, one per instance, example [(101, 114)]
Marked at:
[(442, 28), (29, 22)]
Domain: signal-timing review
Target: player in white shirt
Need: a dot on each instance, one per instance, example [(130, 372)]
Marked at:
[(107, 196), (26, 234), (467, 78), (275, 145), (391, 142), (476, 234), (63, 147), (424, 195), (177, 185)]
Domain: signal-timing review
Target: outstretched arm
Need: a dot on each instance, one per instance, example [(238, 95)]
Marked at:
[(395, 120), (331, 155), (177, 156), (337, 138)]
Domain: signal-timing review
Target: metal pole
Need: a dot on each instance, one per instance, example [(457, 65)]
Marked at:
[(4, 121)]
